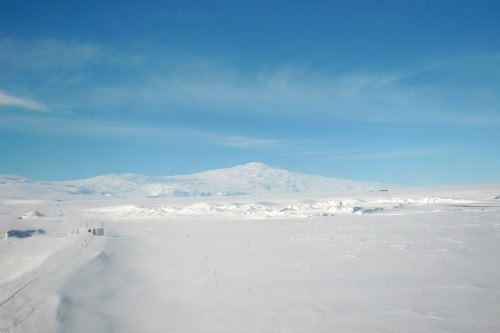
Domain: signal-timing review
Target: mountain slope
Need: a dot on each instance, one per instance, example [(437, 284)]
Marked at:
[(248, 179)]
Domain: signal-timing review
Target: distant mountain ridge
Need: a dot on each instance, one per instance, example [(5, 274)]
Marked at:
[(249, 179)]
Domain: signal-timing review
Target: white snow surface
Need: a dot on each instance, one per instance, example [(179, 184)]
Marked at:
[(348, 260)]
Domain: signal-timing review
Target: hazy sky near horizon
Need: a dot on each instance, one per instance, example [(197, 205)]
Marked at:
[(400, 91)]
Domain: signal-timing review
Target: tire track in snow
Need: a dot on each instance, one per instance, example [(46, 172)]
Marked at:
[(30, 282), (22, 288)]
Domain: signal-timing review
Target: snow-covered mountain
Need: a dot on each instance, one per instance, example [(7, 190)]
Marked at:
[(248, 179)]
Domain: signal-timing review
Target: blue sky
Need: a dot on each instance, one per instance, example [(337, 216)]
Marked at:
[(400, 91)]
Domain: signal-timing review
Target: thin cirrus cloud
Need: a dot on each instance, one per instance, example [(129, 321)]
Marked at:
[(363, 97), (90, 128), (42, 55), (372, 153), (7, 100), (244, 142), (157, 80), (400, 153), (288, 92)]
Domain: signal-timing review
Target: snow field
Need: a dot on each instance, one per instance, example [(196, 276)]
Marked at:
[(372, 262)]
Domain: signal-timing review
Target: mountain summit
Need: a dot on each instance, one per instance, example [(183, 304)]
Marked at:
[(249, 179)]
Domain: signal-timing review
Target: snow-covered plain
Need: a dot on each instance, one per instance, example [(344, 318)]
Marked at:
[(356, 259)]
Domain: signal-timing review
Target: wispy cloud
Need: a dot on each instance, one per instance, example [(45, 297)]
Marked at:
[(399, 153), (12, 101), (91, 128), (152, 81), (366, 154), (243, 142), (42, 55), (290, 92), (363, 96)]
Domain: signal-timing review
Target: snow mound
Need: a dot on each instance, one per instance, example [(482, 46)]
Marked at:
[(115, 209), (260, 209), (238, 210), (403, 202), (31, 214)]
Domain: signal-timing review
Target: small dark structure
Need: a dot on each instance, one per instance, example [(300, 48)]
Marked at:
[(98, 231)]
